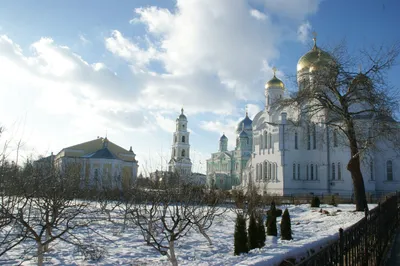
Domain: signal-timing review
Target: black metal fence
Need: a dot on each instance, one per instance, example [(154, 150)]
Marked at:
[(364, 243)]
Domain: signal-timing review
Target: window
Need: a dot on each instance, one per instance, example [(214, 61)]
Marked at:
[(268, 99), (389, 170), (175, 139), (312, 171), (314, 137), (371, 170), (308, 138), (298, 171), (333, 171), (296, 143), (335, 140), (294, 171), (270, 140), (265, 140), (183, 138), (339, 172), (265, 170), (173, 151), (183, 153), (269, 170), (307, 171), (316, 172)]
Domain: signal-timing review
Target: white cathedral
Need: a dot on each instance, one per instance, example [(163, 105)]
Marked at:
[(277, 156)]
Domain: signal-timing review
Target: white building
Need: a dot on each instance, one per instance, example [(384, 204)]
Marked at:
[(180, 151), (290, 156)]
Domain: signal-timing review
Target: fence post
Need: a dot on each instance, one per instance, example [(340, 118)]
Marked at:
[(366, 237), (341, 247)]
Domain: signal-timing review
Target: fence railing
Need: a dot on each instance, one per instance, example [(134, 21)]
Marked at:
[(365, 242)]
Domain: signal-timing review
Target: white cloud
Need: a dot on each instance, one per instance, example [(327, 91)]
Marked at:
[(257, 14), (303, 33), (83, 39)]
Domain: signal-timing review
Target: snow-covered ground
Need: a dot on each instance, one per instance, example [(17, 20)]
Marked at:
[(311, 230)]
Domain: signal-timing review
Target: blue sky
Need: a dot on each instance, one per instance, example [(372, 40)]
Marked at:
[(72, 70)]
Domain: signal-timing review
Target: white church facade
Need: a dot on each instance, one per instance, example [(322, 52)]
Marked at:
[(289, 156)]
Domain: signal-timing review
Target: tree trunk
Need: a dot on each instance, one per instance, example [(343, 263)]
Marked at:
[(203, 232), (172, 257), (47, 237), (354, 166), (40, 252)]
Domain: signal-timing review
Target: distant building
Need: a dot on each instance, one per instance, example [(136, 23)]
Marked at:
[(180, 162), (225, 168), (101, 163)]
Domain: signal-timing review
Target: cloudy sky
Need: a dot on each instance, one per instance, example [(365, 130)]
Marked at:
[(73, 70)]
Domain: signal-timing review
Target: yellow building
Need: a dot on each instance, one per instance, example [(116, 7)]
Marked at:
[(101, 163)]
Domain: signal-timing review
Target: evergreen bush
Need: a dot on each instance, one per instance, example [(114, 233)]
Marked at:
[(261, 230), (333, 201), (240, 236), (315, 202), (286, 227), (272, 213), (253, 240)]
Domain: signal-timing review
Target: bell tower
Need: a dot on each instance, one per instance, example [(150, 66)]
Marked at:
[(180, 151)]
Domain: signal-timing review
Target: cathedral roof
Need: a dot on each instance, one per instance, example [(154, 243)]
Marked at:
[(223, 137), (316, 57), (182, 116), (245, 124), (275, 82), (104, 153)]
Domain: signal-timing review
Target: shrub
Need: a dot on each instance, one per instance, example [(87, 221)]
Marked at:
[(333, 201), (315, 202), (272, 213), (261, 231), (286, 227), (253, 232), (240, 236)]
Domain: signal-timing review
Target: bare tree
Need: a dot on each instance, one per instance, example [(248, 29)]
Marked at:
[(358, 105), (170, 212), (48, 208)]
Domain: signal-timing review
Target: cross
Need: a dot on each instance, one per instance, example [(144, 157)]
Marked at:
[(360, 67), (314, 33), (274, 69), (247, 110)]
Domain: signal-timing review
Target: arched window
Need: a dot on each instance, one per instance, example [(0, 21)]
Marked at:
[(269, 171), (335, 140), (389, 170), (270, 140), (175, 139), (298, 171), (173, 151), (333, 171), (316, 172), (265, 140), (307, 173), (312, 171), (265, 170), (296, 141), (308, 138), (183, 153), (183, 138), (268, 100), (339, 172), (294, 171), (314, 137)]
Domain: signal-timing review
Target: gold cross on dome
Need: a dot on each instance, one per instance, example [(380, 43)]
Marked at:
[(315, 38), (274, 69)]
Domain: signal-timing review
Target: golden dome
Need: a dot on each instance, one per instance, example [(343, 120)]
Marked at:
[(275, 82), (316, 57)]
